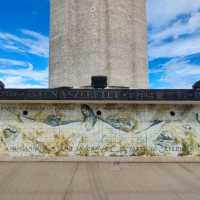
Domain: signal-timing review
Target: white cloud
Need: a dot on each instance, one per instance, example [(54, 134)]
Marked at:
[(176, 48), (4, 62), (20, 82), (178, 29), (39, 43), (175, 34), (27, 42), (177, 39), (179, 73), (20, 73), (162, 12), (25, 76)]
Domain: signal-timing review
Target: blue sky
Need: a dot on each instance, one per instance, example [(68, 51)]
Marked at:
[(173, 43)]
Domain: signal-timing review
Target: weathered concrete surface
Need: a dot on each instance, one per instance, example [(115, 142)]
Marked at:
[(99, 181), (98, 37)]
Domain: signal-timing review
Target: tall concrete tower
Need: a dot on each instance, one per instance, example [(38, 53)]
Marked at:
[(98, 37)]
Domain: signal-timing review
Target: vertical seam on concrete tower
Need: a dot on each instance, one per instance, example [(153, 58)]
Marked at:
[(147, 65), (134, 50), (50, 34), (60, 17), (77, 59), (108, 40)]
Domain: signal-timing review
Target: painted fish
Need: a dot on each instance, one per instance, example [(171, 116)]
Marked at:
[(120, 123), (89, 117), (54, 120)]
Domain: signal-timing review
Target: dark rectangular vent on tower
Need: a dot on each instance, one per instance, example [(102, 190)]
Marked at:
[(99, 82)]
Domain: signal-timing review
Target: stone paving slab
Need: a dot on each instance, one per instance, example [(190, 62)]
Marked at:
[(99, 181)]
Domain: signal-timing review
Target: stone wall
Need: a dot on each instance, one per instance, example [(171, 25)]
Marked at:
[(69, 130)]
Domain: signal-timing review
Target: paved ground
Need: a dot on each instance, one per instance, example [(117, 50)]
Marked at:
[(99, 181)]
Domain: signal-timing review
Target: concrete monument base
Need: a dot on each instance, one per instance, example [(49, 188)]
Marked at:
[(96, 123)]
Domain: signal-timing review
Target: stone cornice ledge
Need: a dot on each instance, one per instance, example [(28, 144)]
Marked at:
[(58, 95)]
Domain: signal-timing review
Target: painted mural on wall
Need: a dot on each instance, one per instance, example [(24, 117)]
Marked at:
[(99, 130)]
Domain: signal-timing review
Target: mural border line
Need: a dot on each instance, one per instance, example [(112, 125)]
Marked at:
[(153, 159)]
